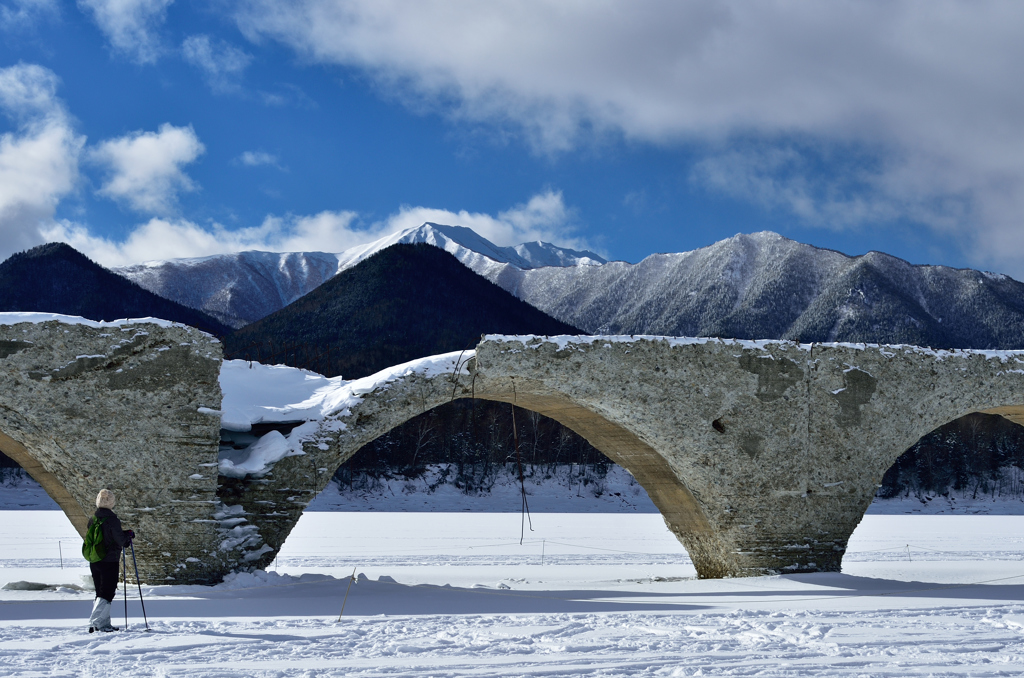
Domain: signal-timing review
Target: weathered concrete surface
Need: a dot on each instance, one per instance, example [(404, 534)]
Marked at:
[(761, 457), (83, 408)]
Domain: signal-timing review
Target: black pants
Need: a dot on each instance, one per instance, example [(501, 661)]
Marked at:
[(104, 575)]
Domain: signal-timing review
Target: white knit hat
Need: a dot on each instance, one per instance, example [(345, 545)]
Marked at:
[(105, 499)]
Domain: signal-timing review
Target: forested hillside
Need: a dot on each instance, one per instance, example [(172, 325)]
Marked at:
[(403, 303), (57, 278)]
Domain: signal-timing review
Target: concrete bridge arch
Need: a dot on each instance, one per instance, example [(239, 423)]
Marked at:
[(387, 401), (29, 460), (762, 456)]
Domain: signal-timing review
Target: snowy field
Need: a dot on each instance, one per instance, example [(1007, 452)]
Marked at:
[(455, 594)]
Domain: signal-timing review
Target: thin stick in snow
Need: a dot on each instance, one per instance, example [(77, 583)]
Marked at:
[(519, 462), (351, 579)]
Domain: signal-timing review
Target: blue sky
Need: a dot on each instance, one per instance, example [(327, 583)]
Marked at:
[(148, 129)]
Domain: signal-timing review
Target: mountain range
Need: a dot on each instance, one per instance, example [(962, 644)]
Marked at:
[(757, 286), (56, 278), (241, 288)]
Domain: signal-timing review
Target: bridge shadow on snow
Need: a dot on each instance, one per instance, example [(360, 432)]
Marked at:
[(848, 586), (367, 598), (323, 596)]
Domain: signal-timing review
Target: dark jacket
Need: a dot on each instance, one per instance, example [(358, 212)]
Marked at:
[(114, 537)]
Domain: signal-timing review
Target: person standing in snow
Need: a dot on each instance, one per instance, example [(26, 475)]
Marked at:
[(105, 572)]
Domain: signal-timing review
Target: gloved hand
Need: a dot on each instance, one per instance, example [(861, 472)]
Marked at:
[(130, 534)]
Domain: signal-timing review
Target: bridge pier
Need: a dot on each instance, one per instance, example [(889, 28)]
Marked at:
[(124, 406)]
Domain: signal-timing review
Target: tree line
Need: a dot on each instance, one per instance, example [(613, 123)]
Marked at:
[(475, 443), (978, 455)]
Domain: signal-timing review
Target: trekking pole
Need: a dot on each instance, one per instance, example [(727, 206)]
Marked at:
[(124, 568), (139, 584), (350, 580)]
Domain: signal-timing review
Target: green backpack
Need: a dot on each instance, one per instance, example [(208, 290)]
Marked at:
[(93, 548)]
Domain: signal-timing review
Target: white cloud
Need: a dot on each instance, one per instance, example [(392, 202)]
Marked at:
[(929, 101), (323, 232), (175, 238), (544, 216), (38, 161), (221, 63), (28, 93), (26, 14), (783, 177), (130, 25), (145, 167), (258, 159)]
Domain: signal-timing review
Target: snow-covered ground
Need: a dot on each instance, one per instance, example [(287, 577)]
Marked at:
[(453, 594)]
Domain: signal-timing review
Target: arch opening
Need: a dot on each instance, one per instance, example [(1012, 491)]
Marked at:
[(977, 456), (682, 513), (56, 490), (673, 499), (468, 446), (945, 487), (929, 457)]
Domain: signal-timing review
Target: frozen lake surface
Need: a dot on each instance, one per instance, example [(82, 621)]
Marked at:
[(455, 594)]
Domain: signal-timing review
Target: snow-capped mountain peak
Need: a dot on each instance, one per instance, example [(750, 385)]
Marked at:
[(469, 247), (539, 254)]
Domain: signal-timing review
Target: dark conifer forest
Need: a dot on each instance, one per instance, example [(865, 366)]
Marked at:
[(403, 303), (978, 455)]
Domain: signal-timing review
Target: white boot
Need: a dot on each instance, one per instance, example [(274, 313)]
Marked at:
[(100, 619), (97, 613)]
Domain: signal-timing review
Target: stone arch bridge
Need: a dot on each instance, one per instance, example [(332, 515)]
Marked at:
[(761, 456)]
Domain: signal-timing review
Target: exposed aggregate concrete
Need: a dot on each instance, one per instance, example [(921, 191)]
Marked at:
[(83, 408)]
